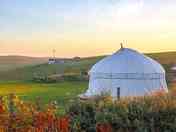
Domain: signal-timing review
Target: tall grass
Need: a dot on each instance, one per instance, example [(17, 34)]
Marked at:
[(155, 113)]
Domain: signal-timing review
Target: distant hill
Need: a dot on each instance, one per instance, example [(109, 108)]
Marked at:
[(13, 62), (27, 67), (26, 72), (164, 57)]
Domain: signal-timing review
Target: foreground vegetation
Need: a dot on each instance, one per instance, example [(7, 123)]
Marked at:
[(144, 114), (19, 116), (156, 113)]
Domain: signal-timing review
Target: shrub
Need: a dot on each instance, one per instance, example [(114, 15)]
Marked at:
[(142, 114), (83, 117), (19, 116)]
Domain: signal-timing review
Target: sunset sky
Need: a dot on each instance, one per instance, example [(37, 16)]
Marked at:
[(86, 27)]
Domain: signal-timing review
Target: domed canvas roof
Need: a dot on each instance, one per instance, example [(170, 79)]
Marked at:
[(132, 72), (127, 61)]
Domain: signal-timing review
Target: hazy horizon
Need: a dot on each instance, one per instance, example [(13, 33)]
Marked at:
[(5, 55), (86, 27)]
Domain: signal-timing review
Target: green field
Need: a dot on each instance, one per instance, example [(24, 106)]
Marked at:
[(60, 92)]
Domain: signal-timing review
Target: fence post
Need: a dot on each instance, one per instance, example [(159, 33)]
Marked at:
[(118, 93)]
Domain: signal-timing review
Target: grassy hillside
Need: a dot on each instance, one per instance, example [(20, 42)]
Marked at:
[(27, 72), (164, 57), (13, 62), (27, 67)]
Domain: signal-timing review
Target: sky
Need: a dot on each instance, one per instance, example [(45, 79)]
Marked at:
[(86, 27)]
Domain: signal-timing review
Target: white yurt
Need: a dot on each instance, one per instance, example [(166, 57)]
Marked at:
[(126, 73)]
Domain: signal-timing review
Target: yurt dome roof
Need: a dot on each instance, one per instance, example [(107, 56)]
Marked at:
[(133, 73), (127, 61)]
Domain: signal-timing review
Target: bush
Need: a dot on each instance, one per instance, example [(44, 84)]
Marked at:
[(44, 79), (83, 117), (143, 114), (19, 116), (102, 114), (74, 77)]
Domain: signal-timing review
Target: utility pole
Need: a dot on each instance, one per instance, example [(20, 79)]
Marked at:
[(54, 52)]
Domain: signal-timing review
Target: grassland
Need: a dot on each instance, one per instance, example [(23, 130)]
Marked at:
[(60, 92), (28, 71), (12, 62)]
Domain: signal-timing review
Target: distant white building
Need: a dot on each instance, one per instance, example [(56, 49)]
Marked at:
[(173, 68), (63, 60), (55, 61)]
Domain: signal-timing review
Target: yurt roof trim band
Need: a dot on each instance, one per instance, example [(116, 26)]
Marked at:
[(128, 76)]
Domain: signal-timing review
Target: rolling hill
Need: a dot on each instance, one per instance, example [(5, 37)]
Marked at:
[(164, 57), (12, 62), (24, 68)]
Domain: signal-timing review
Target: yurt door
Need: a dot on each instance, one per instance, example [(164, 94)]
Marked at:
[(118, 93)]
